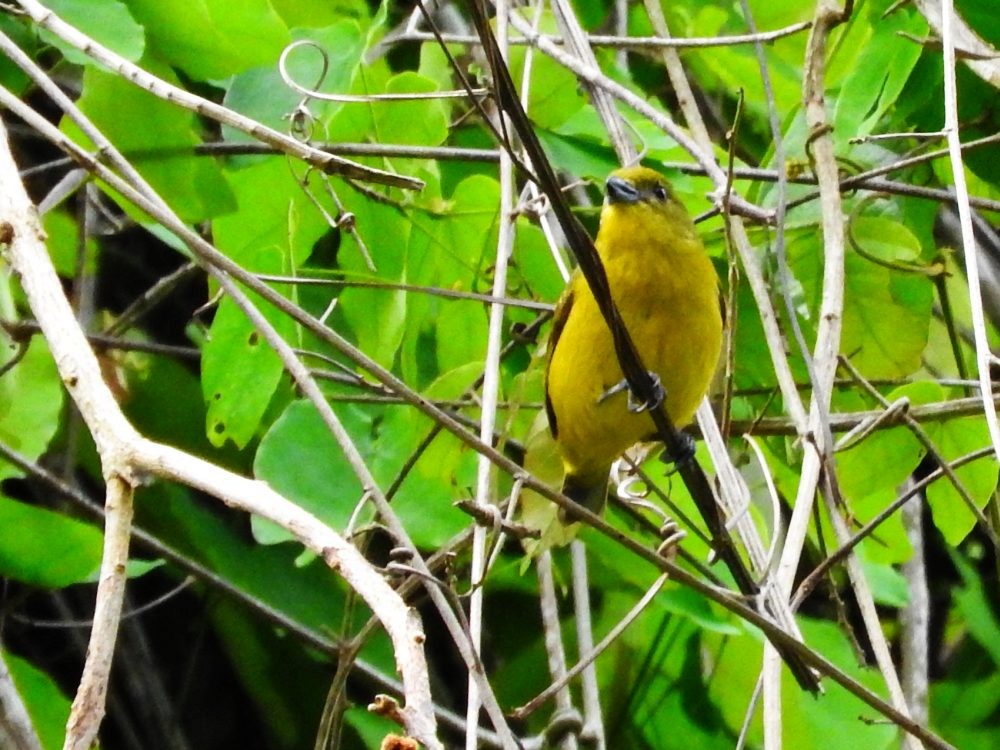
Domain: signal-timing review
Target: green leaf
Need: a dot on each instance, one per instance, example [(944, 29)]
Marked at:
[(43, 548), (299, 458), (421, 122), (284, 219), (461, 336), (31, 401), (212, 39), (45, 702), (878, 76), (378, 316), (240, 372), (954, 438), (885, 458), (312, 13), (886, 318), (887, 312), (977, 611), (159, 138), (107, 22)]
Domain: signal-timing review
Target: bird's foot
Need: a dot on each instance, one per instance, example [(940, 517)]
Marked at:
[(682, 452), (634, 405)]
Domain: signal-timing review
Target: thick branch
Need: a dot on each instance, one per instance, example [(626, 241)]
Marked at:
[(126, 455)]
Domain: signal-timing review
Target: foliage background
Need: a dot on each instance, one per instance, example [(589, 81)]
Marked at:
[(240, 649)]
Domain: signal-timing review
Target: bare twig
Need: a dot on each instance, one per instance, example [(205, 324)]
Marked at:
[(88, 705), (984, 357), (586, 659), (617, 41), (485, 471), (827, 15), (914, 619), (549, 603), (326, 162)]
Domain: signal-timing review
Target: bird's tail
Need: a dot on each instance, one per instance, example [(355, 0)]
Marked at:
[(588, 492)]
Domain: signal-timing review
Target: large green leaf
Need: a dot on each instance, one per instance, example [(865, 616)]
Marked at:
[(955, 438), (159, 138), (872, 472), (31, 400), (107, 22), (886, 316), (299, 458), (45, 548), (239, 370), (274, 213), (212, 39), (45, 702), (886, 311), (875, 79)]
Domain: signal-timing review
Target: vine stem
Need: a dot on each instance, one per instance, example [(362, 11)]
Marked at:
[(491, 385), (984, 358)]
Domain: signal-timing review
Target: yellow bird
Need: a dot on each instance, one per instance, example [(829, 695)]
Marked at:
[(667, 293)]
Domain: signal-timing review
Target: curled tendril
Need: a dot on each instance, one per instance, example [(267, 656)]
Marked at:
[(313, 92)]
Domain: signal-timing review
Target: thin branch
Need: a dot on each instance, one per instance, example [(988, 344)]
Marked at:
[(984, 357), (605, 642), (485, 471), (88, 705), (556, 657), (827, 15), (914, 619), (617, 41), (327, 163)]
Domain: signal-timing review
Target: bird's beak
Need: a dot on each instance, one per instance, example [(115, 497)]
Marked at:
[(621, 191)]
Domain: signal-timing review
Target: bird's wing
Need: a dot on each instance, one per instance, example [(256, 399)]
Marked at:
[(559, 322)]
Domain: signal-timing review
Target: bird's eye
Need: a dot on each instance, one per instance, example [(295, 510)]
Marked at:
[(660, 193)]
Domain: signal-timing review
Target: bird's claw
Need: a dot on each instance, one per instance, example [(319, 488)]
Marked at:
[(635, 406), (683, 452)]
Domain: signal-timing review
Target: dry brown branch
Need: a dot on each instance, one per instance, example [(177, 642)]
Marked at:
[(129, 458)]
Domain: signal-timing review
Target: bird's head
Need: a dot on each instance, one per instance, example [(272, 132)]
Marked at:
[(642, 198)]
